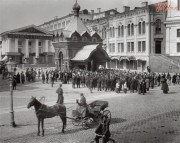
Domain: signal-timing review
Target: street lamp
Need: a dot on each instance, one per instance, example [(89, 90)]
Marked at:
[(10, 66)]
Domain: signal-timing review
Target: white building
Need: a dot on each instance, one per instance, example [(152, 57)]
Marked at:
[(30, 45), (173, 29)]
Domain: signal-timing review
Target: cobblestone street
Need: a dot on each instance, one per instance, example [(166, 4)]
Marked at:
[(150, 118)]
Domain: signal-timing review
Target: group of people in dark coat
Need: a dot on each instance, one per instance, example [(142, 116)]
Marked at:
[(17, 79)]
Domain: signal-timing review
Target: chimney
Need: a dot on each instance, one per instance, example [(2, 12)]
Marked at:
[(126, 8), (98, 10), (115, 9), (92, 12), (144, 4)]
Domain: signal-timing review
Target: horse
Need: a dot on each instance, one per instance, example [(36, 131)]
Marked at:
[(43, 111)]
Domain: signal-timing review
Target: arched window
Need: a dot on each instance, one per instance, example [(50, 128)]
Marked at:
[(132, 29), (119, 31), (139, 28), (158, 26), (113, 32), (110, 32), (74, 38), (94, 40), (84, 39), (122, 31), (129, 30), (143, 27), (104, 33)]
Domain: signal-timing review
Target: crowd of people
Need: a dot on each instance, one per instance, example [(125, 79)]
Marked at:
[(102, 80)]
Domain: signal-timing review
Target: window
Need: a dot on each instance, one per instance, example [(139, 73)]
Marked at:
[(178, 32), (143, 27), (129, 46), (104, 33), (40, 44), (143, 46), (55, 26), (113, 32), (94, 39), (139, 28), (51, 27), (19, 43), (67, 22), (132, 29), (63, 24), (29, 43), (110, 32), (74, 38), (158, 26), (119, 47), (128, 32), (109, 48), (122, 31), (84, 39), (113, 47), (132, 46), (122, 47), (59, 25), (119, 31), (139, 46), (178, 47)]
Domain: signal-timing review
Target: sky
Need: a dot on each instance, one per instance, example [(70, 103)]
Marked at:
[(18, 13)]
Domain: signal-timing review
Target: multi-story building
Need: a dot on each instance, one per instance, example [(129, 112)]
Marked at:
[(134, 39), (56, 25), (173, 29)]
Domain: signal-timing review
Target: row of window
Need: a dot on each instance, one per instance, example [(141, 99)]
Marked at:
[(30, 43), (58, 26), (130, 30), (130, 47)]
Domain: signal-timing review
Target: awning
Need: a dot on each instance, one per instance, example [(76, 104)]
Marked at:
[(123, 58), (114, 58), (4, 59), (132, 58), (140, 59), (85, 53)]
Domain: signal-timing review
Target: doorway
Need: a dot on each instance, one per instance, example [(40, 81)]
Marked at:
[(158, 47)]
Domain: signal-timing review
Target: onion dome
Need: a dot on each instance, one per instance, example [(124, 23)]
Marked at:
[(76, 6)]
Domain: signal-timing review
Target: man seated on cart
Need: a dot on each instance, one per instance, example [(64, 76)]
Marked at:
[(82, 105)]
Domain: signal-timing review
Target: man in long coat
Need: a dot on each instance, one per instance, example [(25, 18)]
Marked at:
[(59, 91)]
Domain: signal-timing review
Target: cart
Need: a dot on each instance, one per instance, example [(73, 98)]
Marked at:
[(90, 114)]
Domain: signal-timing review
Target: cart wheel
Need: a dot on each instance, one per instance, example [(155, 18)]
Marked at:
[(107, 113), (87, 122), (76, 121)]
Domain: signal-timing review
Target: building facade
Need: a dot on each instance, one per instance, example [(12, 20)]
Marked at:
[(75, 47), (136, 39), (173, 29), (27, 45)]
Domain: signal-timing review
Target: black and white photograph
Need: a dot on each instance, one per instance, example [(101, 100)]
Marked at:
[(89, 71)]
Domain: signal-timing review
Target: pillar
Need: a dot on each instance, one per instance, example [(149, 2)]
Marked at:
[(46, 45), (37, 51), (26, 50), (16, 45)]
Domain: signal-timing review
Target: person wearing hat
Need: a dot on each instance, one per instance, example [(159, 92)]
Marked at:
[(59, 91), (82, 105)]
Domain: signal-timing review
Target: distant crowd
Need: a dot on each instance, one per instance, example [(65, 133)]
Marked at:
[(103, 79)]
